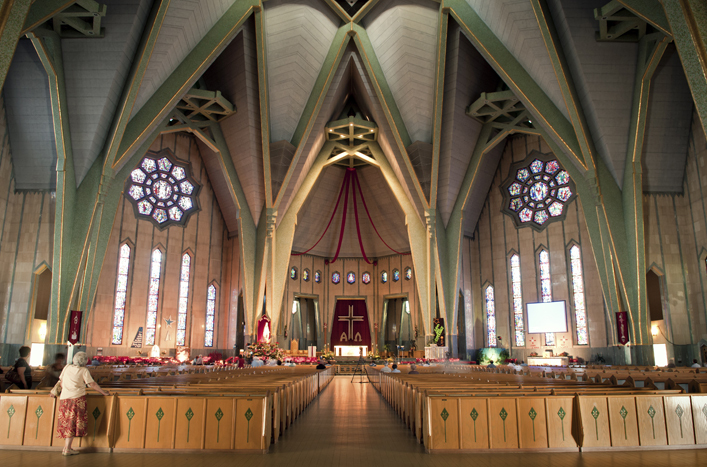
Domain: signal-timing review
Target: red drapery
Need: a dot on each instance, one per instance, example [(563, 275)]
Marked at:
[(264, 330), (350, 179), (350, 325)]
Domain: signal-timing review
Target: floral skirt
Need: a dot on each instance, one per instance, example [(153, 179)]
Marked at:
[(73, 418)]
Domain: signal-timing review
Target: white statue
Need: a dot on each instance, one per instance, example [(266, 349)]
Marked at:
[(155, 352), (266, 332)]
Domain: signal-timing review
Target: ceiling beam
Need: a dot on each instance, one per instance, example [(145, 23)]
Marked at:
[(564, 79), (42, 11), (688, 23), (184, 77), (142, 58), (438, 101), (650, 11), (12, 17), (261, 53), (517, 78)]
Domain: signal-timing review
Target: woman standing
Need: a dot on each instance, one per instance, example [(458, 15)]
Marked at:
[(73, 417)]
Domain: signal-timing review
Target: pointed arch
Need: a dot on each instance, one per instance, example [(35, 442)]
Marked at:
[(545, 283), (153, 296), (517, 298), (182, 310), (490, 311), (121, 290), (211, 298), (574, 252)]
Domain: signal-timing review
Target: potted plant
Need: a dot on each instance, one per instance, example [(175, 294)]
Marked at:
[(386, 349)]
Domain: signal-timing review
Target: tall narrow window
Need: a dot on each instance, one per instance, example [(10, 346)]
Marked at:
[(490, 317), (210, 311), (121, 290), (546, 288), (183, 299), (580, 313), (517, 301), (153, 296)]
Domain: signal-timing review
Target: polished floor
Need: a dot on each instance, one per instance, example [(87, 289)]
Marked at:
[(351, 425)]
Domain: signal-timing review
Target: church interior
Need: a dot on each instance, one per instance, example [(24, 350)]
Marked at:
[(190, 189)]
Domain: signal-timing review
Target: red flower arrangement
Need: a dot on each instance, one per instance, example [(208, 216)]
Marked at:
[(269, 350)]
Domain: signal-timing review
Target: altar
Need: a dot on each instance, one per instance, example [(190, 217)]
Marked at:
[(436, 352), (350, 350), (548, 361)]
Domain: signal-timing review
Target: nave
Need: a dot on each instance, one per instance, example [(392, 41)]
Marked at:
[(352, 425)]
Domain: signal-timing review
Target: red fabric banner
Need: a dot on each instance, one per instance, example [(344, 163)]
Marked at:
[(75, 326), (622, 327), (264, 329), (350, 325)]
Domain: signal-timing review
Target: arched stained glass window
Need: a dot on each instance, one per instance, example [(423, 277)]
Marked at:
[(153, 296), (210, 312), (351, 277), (396, 275), (318, 277), (517, 301), (293, 273), (384, 277), (580, 313), (366, 278), (121, 290), (305, 275), (336, 277), (490, 317), (183, 299), (408, 273), (546, 287)]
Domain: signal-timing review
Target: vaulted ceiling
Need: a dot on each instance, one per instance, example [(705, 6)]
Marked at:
[(290, 69)]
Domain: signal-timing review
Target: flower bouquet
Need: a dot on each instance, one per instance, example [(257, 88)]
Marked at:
[(269, 350)]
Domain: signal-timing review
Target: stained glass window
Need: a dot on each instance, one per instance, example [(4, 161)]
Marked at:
[(408, 273), (546, 288), (396, 275), (162, 190), (305, 275), (580, 313), (536, 193), (318, 277), (121, 290), (366, 277), (336, 277), (490, 317), (183, 299), (293, 273), (153, 295), (517, 301), (384, 277), (351, 277), (210, 314)]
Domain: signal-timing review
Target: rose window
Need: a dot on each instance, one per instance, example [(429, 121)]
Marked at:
[(537, 191), (162, 190)]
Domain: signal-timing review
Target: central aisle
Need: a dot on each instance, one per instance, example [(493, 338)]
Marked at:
[(351, 425)]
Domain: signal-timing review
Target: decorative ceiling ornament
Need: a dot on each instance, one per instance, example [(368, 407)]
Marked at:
[(163, 190), (537, 191)]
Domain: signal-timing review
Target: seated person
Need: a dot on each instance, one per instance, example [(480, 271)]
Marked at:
[(695, 364), (386, 368), (321, 365), (413, 370), (671, 364), (199, 360), (52, 373), (491, 365), (395, 369), (256, 362)]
